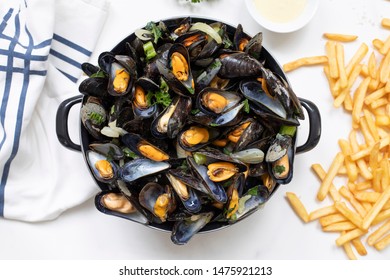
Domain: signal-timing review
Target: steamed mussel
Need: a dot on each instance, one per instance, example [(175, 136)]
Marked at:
[(206, 130)]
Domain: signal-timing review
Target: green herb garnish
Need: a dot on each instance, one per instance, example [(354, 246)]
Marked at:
[(129, 153), (279, 169), (98, 74), (161, 96), (156, 31), (96, 118), (246, 106), (149, 50), (288, 130)]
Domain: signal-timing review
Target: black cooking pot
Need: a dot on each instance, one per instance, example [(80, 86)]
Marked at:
[(313, 114)]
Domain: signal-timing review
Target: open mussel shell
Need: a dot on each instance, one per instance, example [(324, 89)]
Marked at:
[(102, 169), (253, 91), (217, 101), (158, 200), (185, 192), (143, 148), (250, 156), (117, 204), (141, 106), (192, 138), (177, 73), (121, 71), (194, 41), (280, 158), (278, 87), (250, 202), (93, 116), (108, 149), (215, 190), (185, 229), (141, 167), (230, 117), (172, 119), (244, 133)]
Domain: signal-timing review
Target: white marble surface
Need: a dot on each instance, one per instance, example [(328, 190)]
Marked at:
[(273, 233)]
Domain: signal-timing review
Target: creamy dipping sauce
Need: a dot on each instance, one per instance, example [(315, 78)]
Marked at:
[(280, 10)]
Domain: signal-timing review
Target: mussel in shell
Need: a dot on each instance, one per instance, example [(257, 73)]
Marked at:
[(158, 200)]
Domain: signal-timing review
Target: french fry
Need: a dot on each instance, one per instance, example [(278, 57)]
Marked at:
[(298, 207), (369, 139), (362, 165), (322, 212), (365, 152), (382, 120), (340, 37), (351, 80), (331, 219), (385, 69), (331, 82), (364, 185), (350, 235), (332, 172), (330, 47), (305, 61), (355, 204), (378, 103), (372, 66), (383, 243), (357, 243), (356, 58), (348, 250), (359, 100), (383, 215), (371, 124), (378, 233), (339, 226), (350, 165), (377, 43), (348, 213), (385, 22), (340, 64), (371, 197), (374, 96), (386, 46), (376, 208), (321, 174)]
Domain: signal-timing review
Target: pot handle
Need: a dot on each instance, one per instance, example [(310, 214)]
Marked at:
[(62, 122), (314, 126)]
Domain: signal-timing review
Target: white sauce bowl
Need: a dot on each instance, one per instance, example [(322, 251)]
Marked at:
[(287, 26)]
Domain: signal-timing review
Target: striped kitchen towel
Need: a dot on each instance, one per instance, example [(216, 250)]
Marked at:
[(42, 46)]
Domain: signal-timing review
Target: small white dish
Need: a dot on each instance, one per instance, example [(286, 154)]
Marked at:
[(285, 26)]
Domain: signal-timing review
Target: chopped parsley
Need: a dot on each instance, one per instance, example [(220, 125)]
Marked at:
[(279, 169)]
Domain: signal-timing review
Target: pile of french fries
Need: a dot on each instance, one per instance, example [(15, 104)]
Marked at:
[(360, 209)]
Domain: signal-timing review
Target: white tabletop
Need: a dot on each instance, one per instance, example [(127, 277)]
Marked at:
[(275, 232)]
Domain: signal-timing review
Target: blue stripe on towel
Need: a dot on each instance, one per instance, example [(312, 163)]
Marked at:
[(10, 69), (71, 44), (65, 58), (19, 119), (70, 77), (8, 79), (5, 19), (4, 103)]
